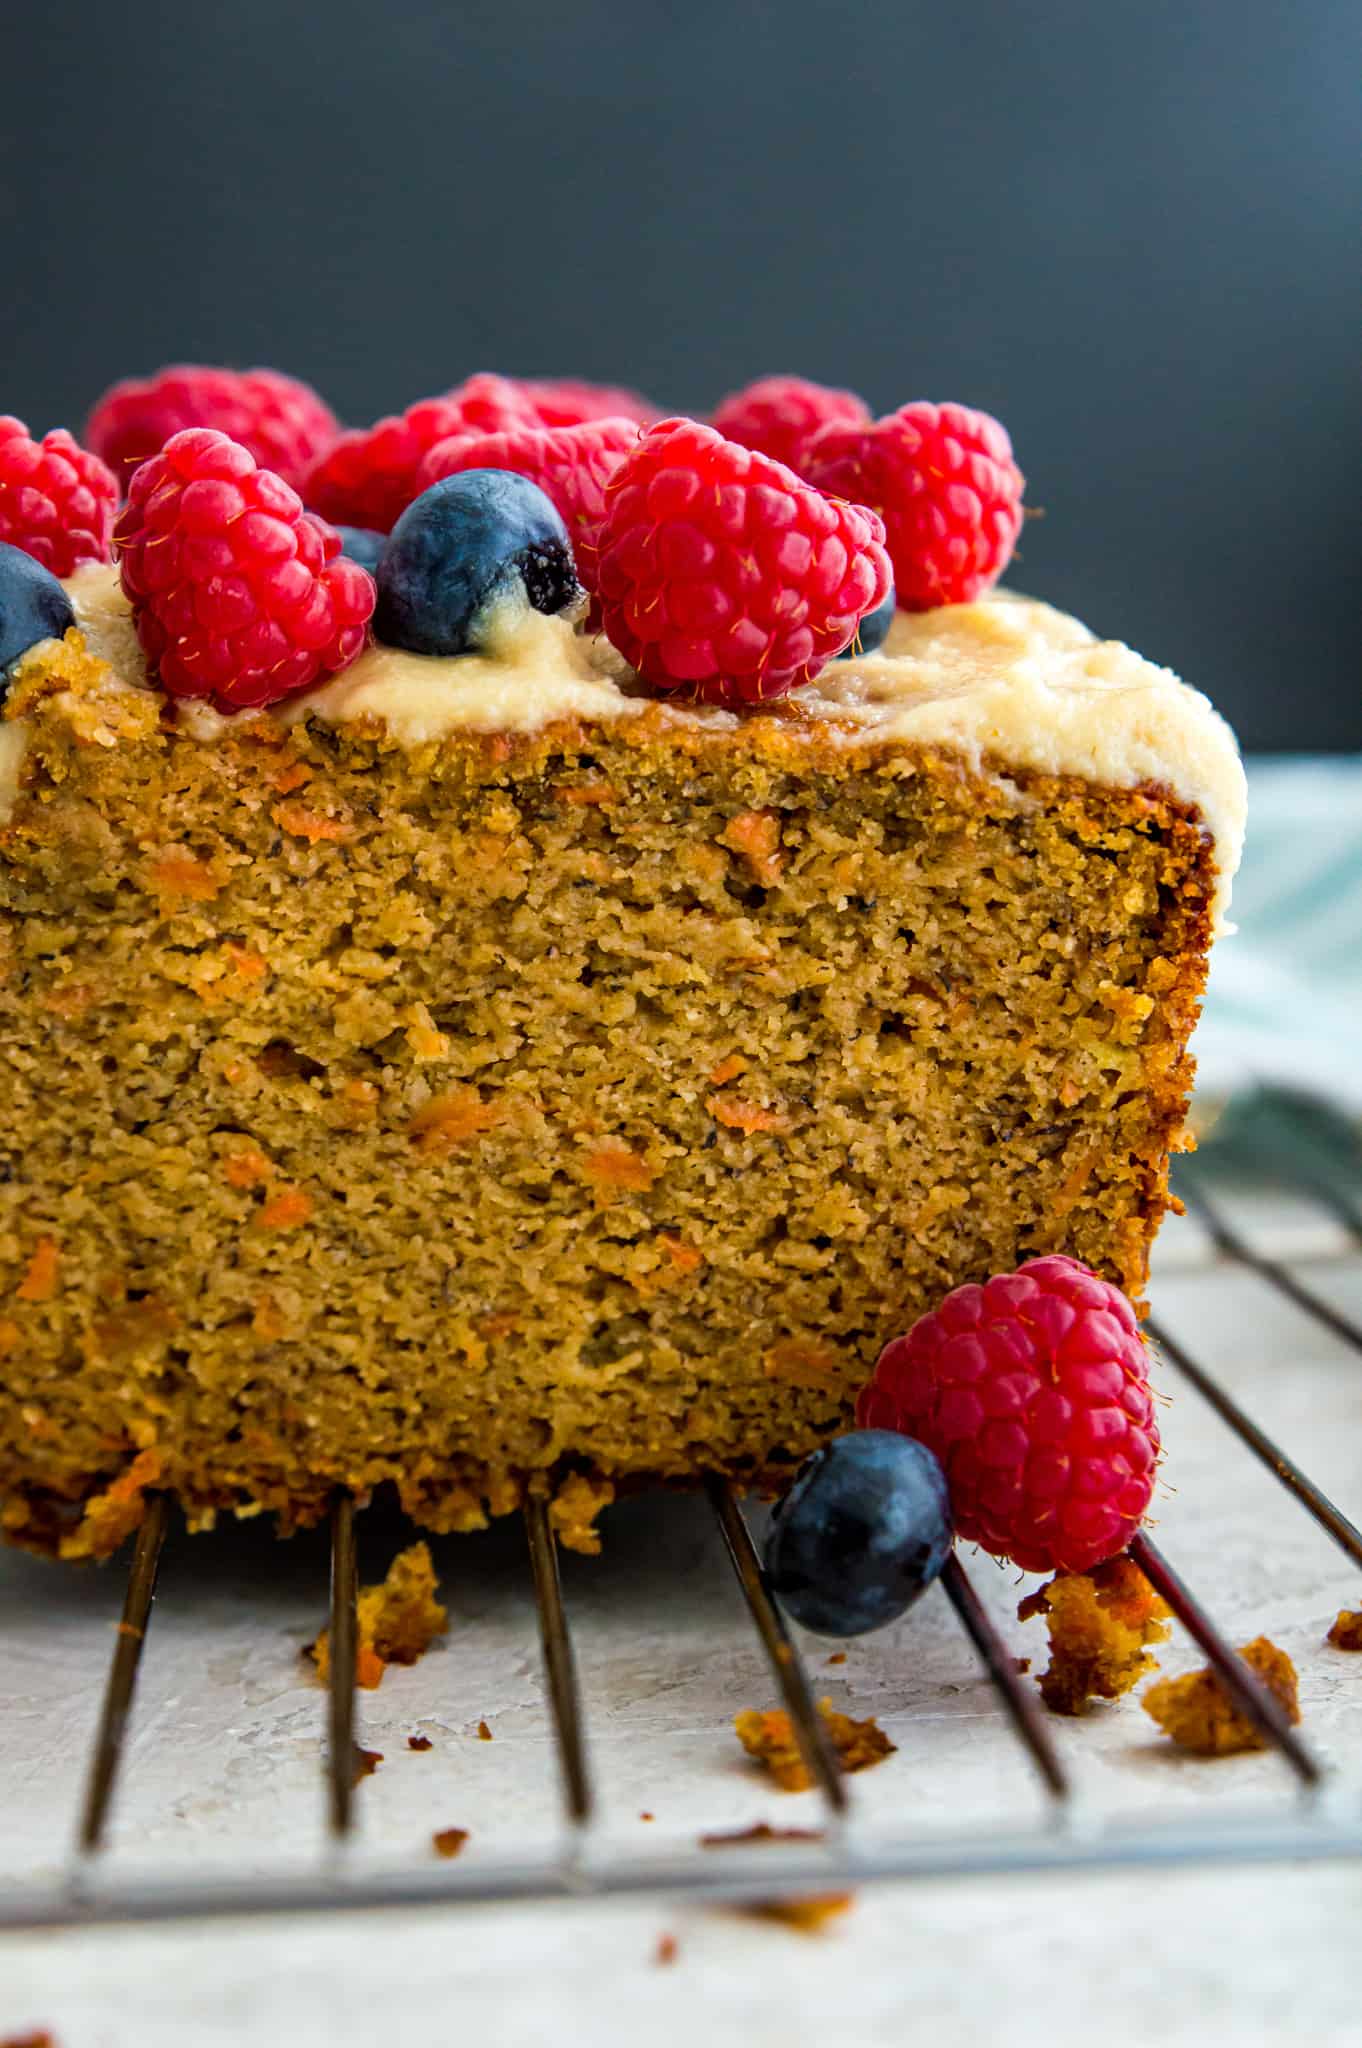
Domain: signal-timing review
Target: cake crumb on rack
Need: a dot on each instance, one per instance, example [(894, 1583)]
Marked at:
[(667, 1950), (447, 1842), (484, 1732), (367, 1762), (1101, 1624), (769, 1739), (397, 1621), (41, 2039), (419, 1742), (806, 1916), (760, 1831), (1198, 1715), (1346, 1633)]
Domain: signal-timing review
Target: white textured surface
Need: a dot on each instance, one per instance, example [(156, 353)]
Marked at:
[(224, 1768)]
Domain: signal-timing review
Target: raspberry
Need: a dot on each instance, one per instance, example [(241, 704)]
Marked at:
[(369, 476), (943, 480), (570, 402), (283, 422), (57, 501), (238, 594), (1033, 1391), (571, 465), (723, 575), (779, 416)]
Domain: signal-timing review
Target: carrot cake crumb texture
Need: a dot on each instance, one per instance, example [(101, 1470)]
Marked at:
[(1101, 1624), (380, 1110), (1346, 1631), (398, 1621), (769, 1739), (1197, 1714)]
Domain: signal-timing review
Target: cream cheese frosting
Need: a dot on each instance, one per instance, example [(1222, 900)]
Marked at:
[(1006, 683)]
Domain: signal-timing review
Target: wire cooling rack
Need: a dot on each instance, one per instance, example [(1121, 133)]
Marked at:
[(1314, 1157)]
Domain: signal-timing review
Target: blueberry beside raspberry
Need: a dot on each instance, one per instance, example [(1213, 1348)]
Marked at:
[(873, 630), (862, 1533), (33, 607), (459, 549), (360, 544)]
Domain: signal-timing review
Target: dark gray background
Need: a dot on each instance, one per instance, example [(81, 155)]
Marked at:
[(1130, 230)]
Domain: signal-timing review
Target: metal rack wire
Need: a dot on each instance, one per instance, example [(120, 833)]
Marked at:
[(1313, 1828)]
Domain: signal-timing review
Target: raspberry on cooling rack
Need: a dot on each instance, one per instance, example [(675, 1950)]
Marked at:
[(571, 401), (282, 421), (943, 480), (1033, 1391), (57, 500), (571, 465), (369, 475), (724, 576), (779, 416), (238, 595)]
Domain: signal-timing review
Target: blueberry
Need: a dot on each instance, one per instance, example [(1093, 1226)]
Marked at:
[(871, 632), (458, 548), (863, 1531), (33, 607), (362, 546)]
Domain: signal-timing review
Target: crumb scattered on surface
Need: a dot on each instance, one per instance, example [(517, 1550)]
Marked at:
[(769, 1739), (1197, 1714), (838, 1657), (806, 1913), (647, 1816), (760, 1831), (419, 1742), (667, 1950), (1021, 1665), (1101, 1624), (42, 2039), (806, 1916), (447, 1842), (397, 1621), (484, 1732), (1346, 1633), (367, 1762)]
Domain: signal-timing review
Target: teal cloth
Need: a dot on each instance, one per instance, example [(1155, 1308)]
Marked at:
[(1284, 1007)]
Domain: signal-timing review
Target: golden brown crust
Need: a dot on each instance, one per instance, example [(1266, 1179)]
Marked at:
[(367, 1128)]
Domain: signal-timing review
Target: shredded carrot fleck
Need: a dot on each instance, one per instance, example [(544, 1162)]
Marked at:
[(616, 1166), (801, 1362), (40, 1281), (449, 1120), (293, 777), (738, 1115), (684, 1257), (267, 1322), (248, 964), (369, 1667), (286, 1210), (587, 793), (181, 874), (728, 1070), (248, 1168), (301, 823), (756, 836), (71, 1000)]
